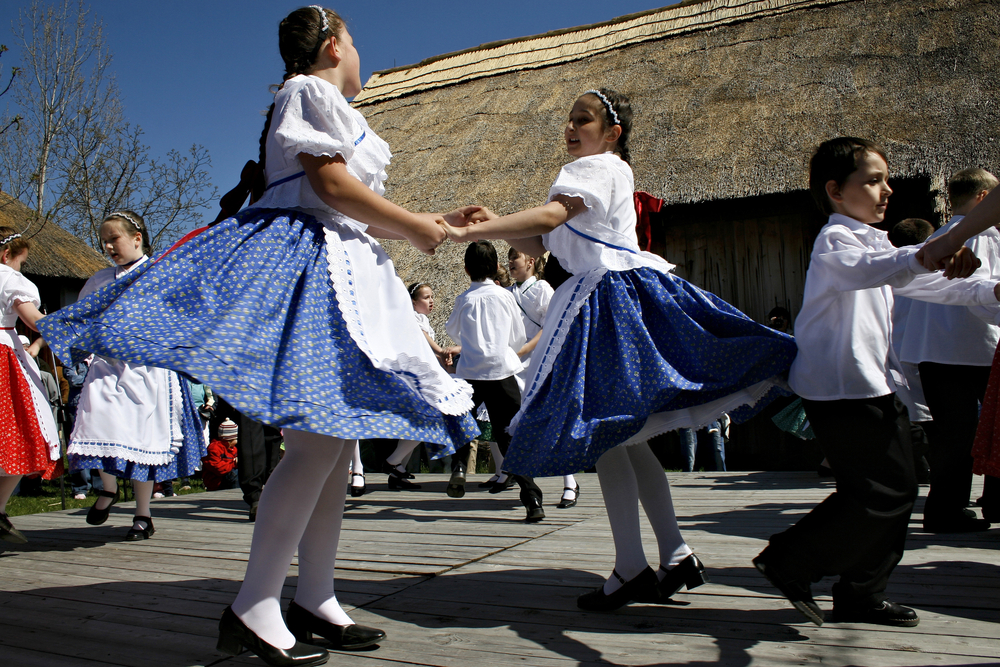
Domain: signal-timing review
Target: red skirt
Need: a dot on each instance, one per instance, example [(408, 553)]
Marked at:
[(23, 449), (986, 448)]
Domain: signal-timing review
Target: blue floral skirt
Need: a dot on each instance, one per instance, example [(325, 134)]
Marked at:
[(644, 342), (184, 464), (247, 308)]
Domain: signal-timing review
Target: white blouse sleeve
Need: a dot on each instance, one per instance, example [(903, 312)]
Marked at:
[(588, 179), (20, 290), (317, 120)]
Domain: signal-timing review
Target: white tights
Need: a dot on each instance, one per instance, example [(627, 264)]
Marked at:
[(629, 475), (301, 506), (402, 453)]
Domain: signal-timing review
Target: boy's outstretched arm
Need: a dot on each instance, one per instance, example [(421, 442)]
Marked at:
[(937, 253)]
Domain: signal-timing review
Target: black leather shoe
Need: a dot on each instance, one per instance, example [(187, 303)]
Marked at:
[(96, 517), (883, 613), (234, 635), (535, 511), (8, 533), (358, 491), (500, 487), (965, 521), (689, 572), (796, 592), (642, 588), (139, 534), (566, 504), (456, 485), (304, 624), (489, 483)]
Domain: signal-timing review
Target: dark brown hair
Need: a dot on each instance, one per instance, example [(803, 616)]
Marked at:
[(623, 108), (15, 246), (835, 160)]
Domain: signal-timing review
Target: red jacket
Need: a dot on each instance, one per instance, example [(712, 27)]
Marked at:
[(220, 461)]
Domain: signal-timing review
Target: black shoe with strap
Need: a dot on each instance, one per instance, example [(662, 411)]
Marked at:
[(304, 624), (690, 572), (641, 588), (96, 517), (566, 503), (234, 635), (358, 491), (138, 534)]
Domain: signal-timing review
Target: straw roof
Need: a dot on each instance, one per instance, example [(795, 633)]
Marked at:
[(55, 253), (730, 99)]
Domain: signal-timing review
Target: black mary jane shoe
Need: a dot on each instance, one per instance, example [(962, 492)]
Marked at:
[(689, 572), (8, 533), (96, 517), (304, 624), (234, 635), (399, 479), (565, 503), (138, 534), (640, 588), (535, 513), (500, 487), (358, 491), (488, 484)]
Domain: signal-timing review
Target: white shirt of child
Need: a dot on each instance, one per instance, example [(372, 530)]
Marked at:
[(953, 334), (425, 324), (532, 297), (486, 322), (844, 328)]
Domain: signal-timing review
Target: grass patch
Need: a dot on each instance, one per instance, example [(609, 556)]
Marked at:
[(51, 499)]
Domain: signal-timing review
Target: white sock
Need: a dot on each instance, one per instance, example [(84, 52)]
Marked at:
[(621, 500), (357, 468), (287, 503), (402, 454), (497, 457), (110, 483), (654, 494), (569, 483)]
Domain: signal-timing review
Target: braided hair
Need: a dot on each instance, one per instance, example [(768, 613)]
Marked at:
[(622, 108)]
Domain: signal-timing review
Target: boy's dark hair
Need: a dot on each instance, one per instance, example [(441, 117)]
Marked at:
[(835, 160), (481, 260), (966, 184), (910, 232)]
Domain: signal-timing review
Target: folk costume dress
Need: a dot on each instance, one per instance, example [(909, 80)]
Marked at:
[(29, 439), (288, 310), (628, 350), (134, 421)]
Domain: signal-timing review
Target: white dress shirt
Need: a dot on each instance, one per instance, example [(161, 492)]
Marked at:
[(953, 334), (844, 328), (486, 322)]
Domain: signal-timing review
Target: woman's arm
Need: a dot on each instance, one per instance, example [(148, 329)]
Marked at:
[(340, 190), (29, 314)]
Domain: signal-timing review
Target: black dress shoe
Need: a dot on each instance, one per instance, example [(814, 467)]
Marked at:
[(304, 624), (500, 487), (234, 635), (489, 483), (456, 485), (535, 511), (883, 613), (139, 534), (796, 592), (965, 521), (358, 491), (689, 572), (8, 533), (641, 588), (96, 517), (565, 503)]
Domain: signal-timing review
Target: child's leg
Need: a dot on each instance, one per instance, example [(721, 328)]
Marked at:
[(7, 485), (689, 447), (569, 484), (318, 547), (285, 509), (621, 499), (654, 494), (503, 400), (497, 460), (143, 493), (402, 454), (110, 484), (357, 468)]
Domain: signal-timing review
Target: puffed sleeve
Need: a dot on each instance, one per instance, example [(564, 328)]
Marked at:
[(20, 290), (586, 178), (316, 119)]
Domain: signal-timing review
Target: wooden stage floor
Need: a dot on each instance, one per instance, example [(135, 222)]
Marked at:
[(465, 583)]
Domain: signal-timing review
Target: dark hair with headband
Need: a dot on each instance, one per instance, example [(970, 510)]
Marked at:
[(12, 241), (131, 223), (414, 290), (617, 111)]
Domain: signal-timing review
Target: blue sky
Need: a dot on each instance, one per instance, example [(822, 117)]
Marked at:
[(198, 71)]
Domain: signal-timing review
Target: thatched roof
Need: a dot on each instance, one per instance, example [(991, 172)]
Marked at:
[(55, 253), (730, 99)]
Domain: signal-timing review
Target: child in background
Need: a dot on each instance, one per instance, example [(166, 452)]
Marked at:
[(486, 324), (219, 467), (595, 395), (846, 373), (30, 441)]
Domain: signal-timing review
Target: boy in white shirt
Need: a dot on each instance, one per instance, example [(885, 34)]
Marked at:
[(954, 351), (846, 373), (486, 324)]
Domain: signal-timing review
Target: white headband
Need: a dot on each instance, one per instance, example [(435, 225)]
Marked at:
[(607, 103), (326, 22), (126, 216), (10, 238)]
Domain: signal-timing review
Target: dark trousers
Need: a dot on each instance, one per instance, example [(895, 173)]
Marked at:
[(859, 531), (502, 399), (258, 449), (954, 394)]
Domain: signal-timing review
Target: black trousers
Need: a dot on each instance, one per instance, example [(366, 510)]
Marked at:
[(859, 531), (258, 449), (954, 394), (502, 399)]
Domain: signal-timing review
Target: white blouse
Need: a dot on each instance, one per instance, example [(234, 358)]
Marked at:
[(425, 325), (532, 297)]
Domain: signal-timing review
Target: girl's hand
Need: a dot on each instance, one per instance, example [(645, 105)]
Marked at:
[(455, 234), (427, 233), (482, 215), (938, 252), (460, 216)]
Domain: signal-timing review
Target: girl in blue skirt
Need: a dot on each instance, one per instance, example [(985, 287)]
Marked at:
[(293, 313), (628, 351)]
